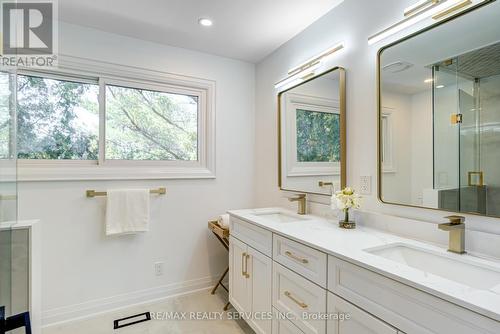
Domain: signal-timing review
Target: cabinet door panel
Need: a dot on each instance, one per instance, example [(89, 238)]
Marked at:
[(359, 322), (260, 271), (239, 291)]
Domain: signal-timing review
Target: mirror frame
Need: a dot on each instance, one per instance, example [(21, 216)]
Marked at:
[(379, 106), (343, 129)]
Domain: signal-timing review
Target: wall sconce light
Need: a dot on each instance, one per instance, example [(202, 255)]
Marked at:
[(420, 6), (308, 68), (437, 9)]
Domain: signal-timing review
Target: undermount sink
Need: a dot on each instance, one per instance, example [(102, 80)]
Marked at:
[(278, 216), (464, 269)]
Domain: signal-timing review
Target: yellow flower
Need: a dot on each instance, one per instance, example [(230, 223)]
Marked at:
[(348, 191)]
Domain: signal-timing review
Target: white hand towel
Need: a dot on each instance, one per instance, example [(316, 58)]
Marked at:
[(224, 220), (127, 211)]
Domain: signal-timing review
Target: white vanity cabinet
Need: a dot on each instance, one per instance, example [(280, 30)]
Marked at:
[(404, 307), (259, 273), (352, 320), (239, 285), (250, 280), (270, 270)]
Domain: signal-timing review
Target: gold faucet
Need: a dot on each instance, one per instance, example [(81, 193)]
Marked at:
[(301, 200), (456, 227)]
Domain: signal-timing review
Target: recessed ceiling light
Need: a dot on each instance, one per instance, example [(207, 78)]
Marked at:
[(440, 86), (429, 80), (205, 22)]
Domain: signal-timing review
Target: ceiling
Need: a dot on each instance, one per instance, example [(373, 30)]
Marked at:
[(248, 30)]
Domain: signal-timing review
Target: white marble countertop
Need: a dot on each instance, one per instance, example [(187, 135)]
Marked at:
[(349, 245), (18, 224)]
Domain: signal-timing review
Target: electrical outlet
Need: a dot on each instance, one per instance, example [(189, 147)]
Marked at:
[(365, 185), (159, 268)]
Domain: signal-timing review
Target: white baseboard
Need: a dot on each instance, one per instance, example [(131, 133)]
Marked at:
[(100, 306)]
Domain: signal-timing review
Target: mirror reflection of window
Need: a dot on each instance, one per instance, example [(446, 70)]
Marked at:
[(386, 141), (311, 122), (383, 126), (318, 136)]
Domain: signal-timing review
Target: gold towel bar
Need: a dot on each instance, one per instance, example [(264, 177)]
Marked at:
[(93, 193), (8, 197)]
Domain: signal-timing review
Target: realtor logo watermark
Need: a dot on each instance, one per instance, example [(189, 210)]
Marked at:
[(29, 33)]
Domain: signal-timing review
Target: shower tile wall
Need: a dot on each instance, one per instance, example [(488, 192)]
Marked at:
[(490, 140)]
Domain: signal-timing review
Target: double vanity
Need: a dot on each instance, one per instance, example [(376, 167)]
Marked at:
[(294, 273), (438, 139)]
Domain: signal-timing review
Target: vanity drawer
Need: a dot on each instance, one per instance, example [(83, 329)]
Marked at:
[(406, 308), (359, 322), (254, 236), (295, 295), (302, 259), (281, 325)]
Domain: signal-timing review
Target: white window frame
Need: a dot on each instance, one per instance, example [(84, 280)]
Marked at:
[(102, 169)]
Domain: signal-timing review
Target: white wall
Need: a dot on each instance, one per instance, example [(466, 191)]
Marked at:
[(352, 22), (412, 147), (85, 272), (397, 183), (421, 145)]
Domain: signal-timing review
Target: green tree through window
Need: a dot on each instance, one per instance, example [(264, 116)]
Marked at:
[(318, 136), (150, 125), (6, 115), (57, 119)]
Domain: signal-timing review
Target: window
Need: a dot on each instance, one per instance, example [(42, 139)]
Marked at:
[(318, 136), (6, 119), (57, 119), (150, 125), (127, 123)]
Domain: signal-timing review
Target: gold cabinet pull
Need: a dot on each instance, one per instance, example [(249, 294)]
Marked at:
[(325, 184), (247, 256), (296, 301), (243, 258), (295, 257)]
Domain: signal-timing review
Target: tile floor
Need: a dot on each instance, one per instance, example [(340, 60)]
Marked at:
[(201, 301)]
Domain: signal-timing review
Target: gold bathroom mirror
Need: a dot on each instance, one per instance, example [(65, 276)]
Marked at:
[(312, 134), (439, 116)]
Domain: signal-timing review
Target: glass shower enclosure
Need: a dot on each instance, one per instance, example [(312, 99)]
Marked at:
[(466, 120), (8, 195)]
